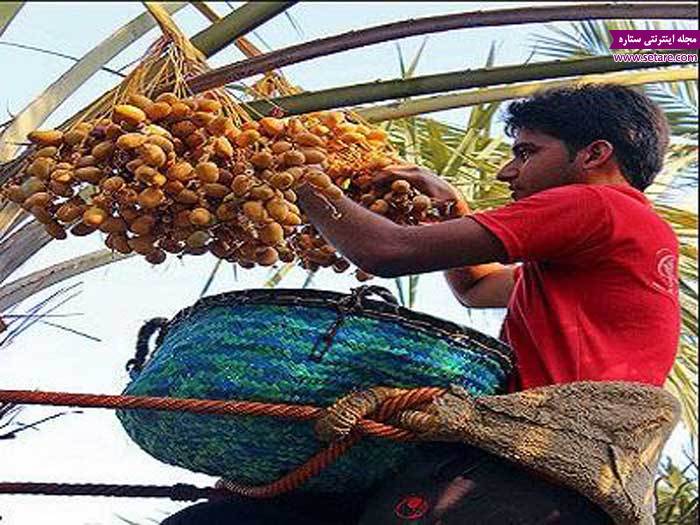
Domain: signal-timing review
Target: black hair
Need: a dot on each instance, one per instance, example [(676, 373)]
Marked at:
[(625, 117)]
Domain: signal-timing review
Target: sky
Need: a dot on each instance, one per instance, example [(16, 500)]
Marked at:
[(117, 299)]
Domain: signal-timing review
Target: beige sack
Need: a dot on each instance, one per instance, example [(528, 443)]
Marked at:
[(602, 439)]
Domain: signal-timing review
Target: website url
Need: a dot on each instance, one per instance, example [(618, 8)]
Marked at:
[(655, 57)]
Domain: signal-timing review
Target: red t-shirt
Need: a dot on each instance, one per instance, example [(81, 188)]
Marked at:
[(596, 297)]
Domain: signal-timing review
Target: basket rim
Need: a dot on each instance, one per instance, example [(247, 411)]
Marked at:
[(427, 323)]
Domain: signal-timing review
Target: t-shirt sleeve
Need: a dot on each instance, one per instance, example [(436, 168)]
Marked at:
[(554, 224)]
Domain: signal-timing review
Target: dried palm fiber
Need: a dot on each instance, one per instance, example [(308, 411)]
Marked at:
[(171, 173), (306, 347), (602, 439)]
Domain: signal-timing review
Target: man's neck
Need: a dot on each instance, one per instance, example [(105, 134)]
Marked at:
[(605, 177)]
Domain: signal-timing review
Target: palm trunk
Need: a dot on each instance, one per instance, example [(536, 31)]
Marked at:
[(403, 88), (387, 32)]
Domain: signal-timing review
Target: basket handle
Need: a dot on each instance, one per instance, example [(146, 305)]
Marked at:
[(362, 292), (150, 327), (352, 302)]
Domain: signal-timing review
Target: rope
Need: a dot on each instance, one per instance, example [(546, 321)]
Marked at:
[(345, 414), (178, 492), (389, 413)]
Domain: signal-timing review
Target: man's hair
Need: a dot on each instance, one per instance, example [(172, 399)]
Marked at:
[(628, 119)]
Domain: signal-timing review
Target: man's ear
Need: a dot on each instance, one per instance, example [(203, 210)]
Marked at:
[(597, 154)]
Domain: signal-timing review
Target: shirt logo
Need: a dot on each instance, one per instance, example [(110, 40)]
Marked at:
[(412, 507), (665, 278)]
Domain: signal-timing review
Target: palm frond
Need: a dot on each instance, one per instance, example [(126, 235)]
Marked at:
[(309, 281), (399, 282), (494, 95), (57, 54), (466, 159), (23, 288), (22, 243), (44, 308), (11, 215), (677, 494), (8, 11), (591, 38), (8, 413), (210, 279), (413, 27), (294, 23), (36, 112), (679, 102), (17, 428), (278, 274)]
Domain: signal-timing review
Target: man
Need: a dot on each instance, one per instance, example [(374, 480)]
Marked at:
[(599, 265), (595, 298)]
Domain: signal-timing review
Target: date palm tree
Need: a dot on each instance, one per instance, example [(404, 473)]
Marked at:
[(467, 156)]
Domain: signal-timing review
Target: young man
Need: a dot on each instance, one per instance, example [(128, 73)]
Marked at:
[(599, 266), (595, 298)]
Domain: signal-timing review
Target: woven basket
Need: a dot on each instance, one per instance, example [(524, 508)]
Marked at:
[(296, 346)]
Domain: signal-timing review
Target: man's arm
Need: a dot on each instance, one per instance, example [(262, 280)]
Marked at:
[(381, 247), (483, 286)]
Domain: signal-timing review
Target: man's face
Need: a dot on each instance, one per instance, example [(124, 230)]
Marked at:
[(539, 162)]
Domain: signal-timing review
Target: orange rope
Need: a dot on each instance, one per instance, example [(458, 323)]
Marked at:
[(373, 425), (196, 406)]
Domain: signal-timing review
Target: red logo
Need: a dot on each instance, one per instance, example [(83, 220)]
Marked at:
[(412, 507), (665, 271)]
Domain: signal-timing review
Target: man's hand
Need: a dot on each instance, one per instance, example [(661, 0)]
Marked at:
[(482, 286), (423, 180)]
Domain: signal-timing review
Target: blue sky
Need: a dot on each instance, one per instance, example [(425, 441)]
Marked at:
[(117, 299)]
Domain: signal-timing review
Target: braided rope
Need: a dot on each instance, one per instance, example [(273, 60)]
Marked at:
[(346, 413), (196, 406), (178, 492), (389, 413), (295, 478)]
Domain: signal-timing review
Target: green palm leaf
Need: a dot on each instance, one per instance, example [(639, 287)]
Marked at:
[(677, 494), (489, 95), (679, 102), (8, 11), (591, 38)]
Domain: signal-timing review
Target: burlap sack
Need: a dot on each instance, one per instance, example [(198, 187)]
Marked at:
[(603, 439)]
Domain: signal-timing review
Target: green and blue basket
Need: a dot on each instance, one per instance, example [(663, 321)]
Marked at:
[(295, 346)]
